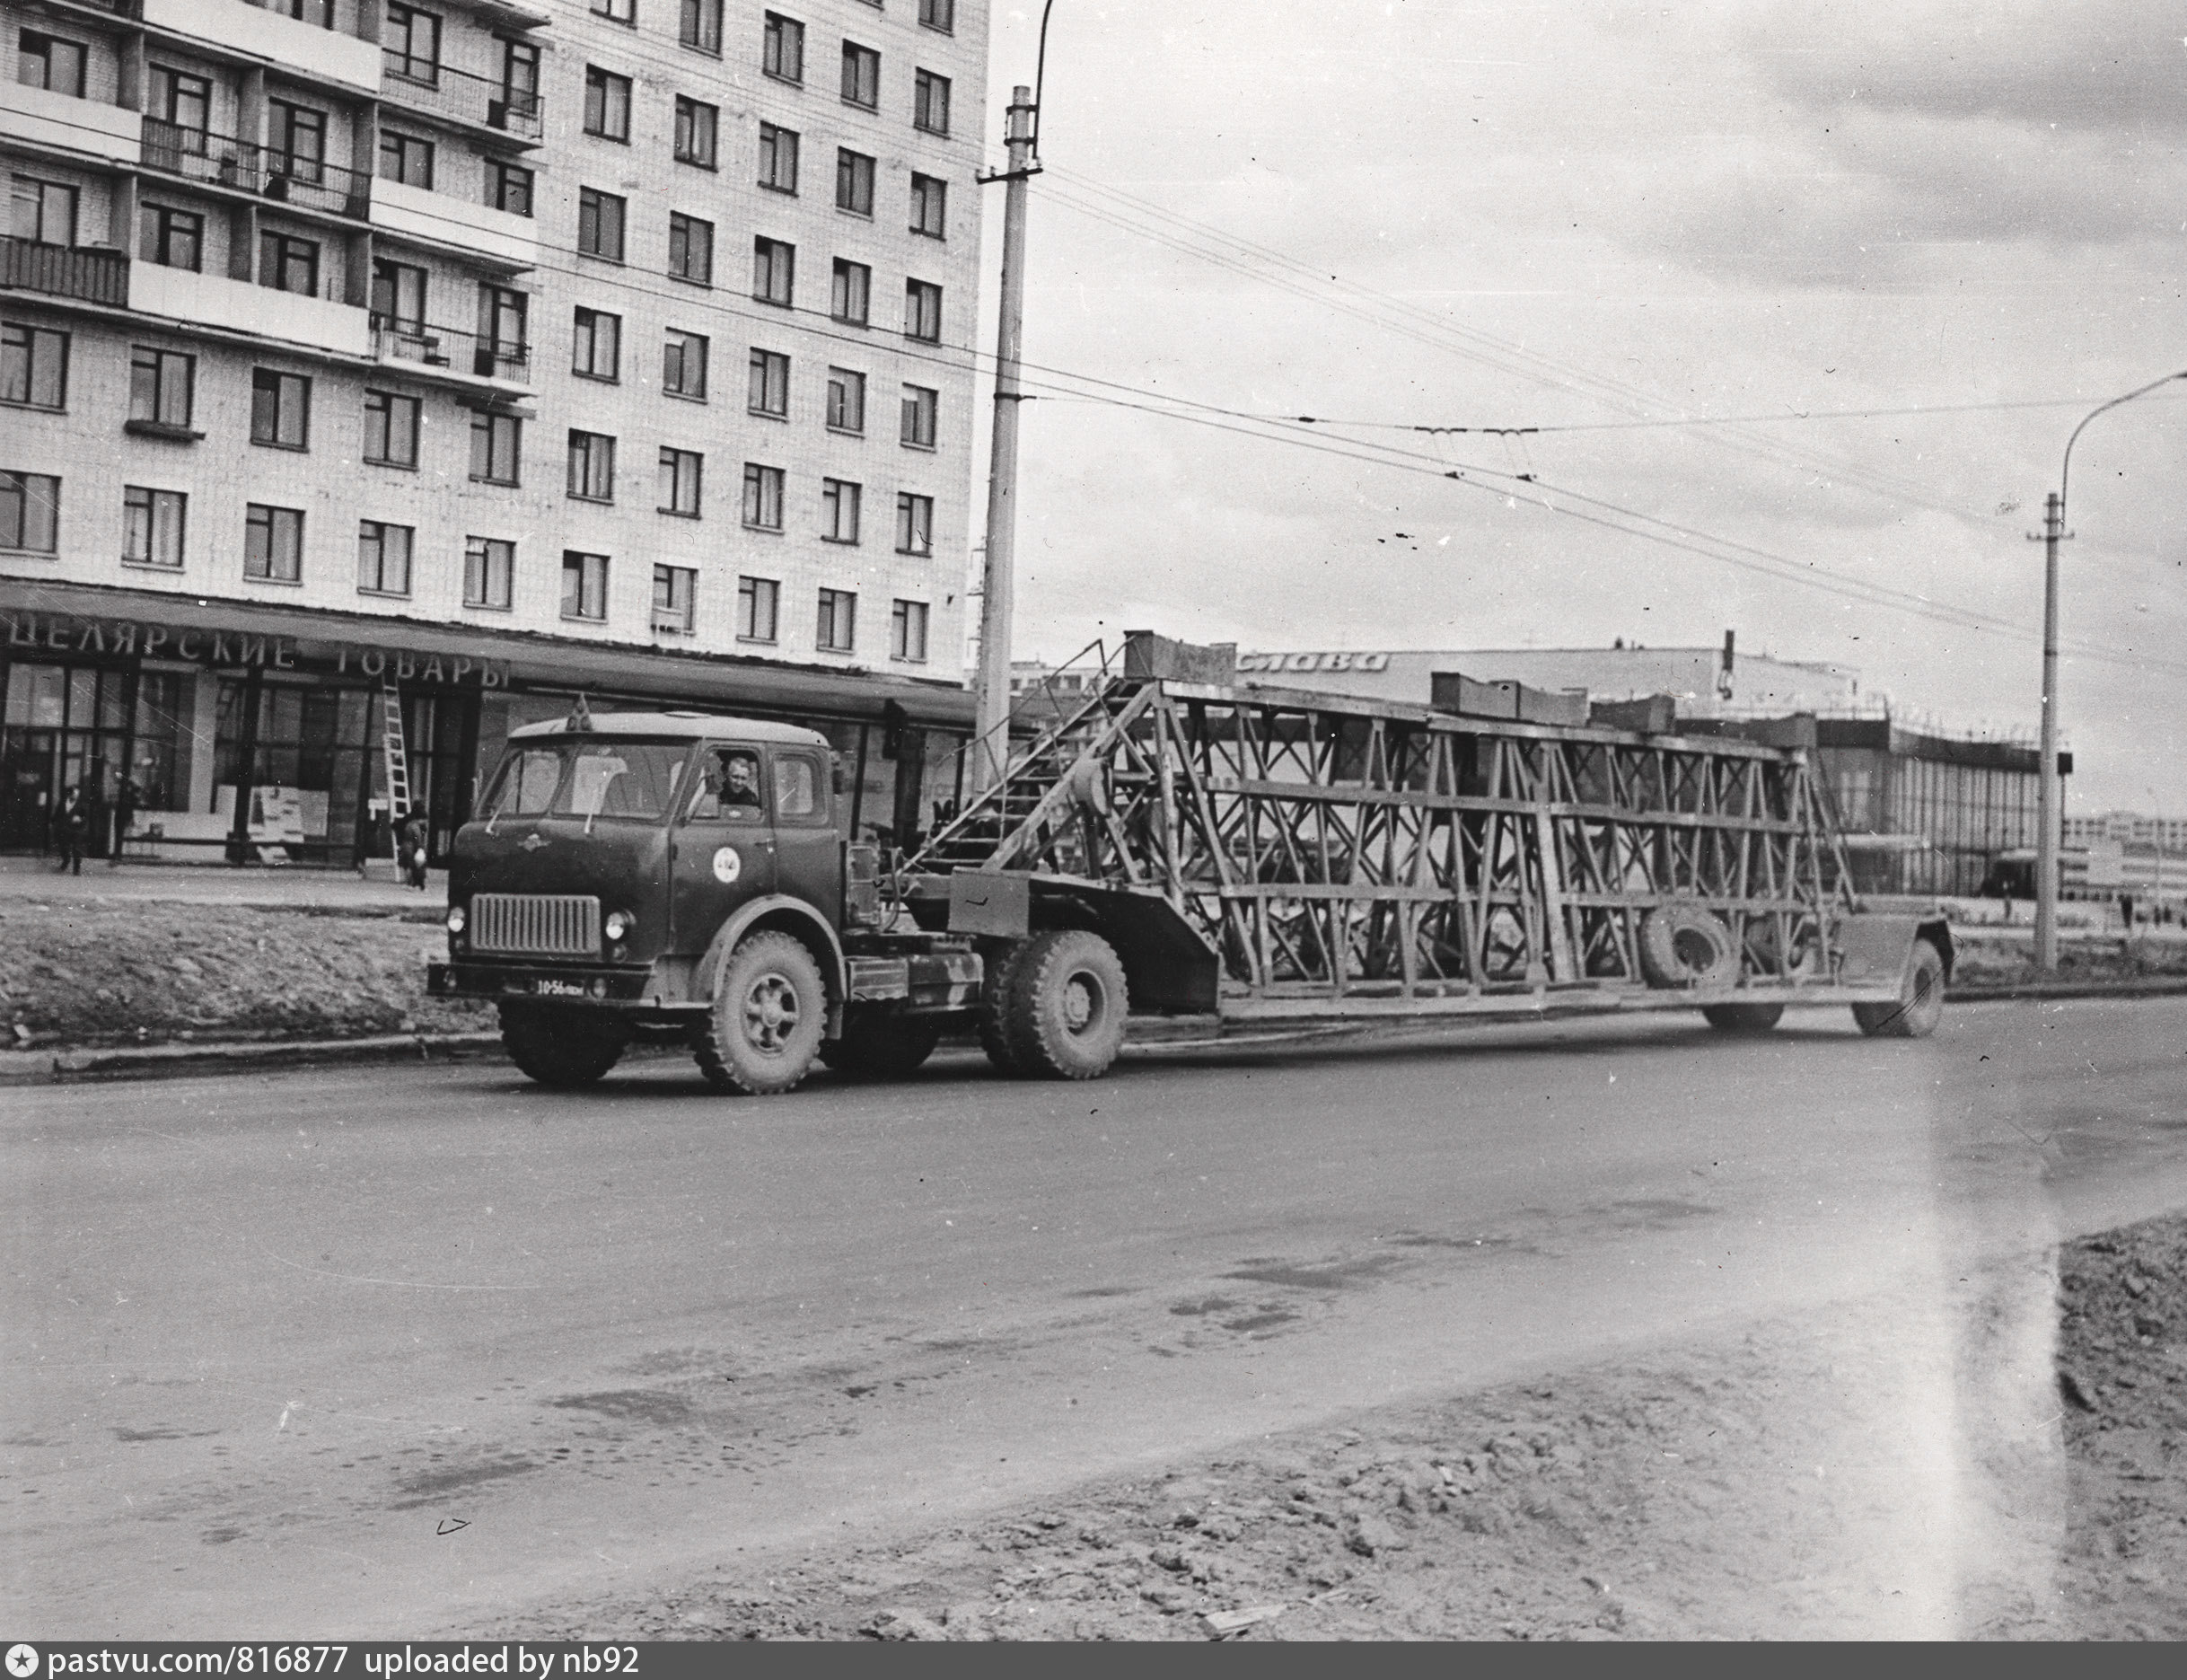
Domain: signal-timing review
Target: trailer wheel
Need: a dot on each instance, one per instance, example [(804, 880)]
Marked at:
[(1066, 1005), (1000, 959), (881, 1046), (1744, 1019), (1920, 1002), (1684, 944), (769, 1010), (561, 1049)]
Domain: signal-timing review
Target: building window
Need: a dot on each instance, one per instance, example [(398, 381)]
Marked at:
[(923, 310), (44, 211), (680, 470), (930, 102), (701, 26), (50, 62), (489, 572), (846, 401), (773, 270), (914, 524), (496, 446), (941, 14), (607, 104), (151, 527), (289, 264), (273, 545), (838, 630), (860, 76), (390, 429), (921, 408), (584, 586), (929, 206), (907, 631), (770, 385), (782, 49), (29, 512), (839, 510), (592, 466), (675, 589), (777, 158), (850, 299), (163, 388), (853, 181), (398, 296), (684, 365), (762, 497), (599, 224), (690, 249), (508, 186), (384, 559), (34, 367), (519, 82), (173, 238), (280, 409), (596, 345), (410, 44), (758, 600), (504, 320), (697, 128), (616, 11), (296, 136), (406, 158)]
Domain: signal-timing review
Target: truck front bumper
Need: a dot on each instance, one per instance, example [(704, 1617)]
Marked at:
[(626, 987)]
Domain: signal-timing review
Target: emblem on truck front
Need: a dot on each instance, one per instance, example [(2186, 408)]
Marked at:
[(727, 864), (532, 842)]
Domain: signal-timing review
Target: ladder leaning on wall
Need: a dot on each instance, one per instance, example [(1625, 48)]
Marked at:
[(395, 759)]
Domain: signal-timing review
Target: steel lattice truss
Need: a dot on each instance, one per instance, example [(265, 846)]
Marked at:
[(1326, 846)]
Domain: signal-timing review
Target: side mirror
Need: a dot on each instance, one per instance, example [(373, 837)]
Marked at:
[(842, 781)]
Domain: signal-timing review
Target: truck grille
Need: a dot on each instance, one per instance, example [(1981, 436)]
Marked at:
[(535, 924)]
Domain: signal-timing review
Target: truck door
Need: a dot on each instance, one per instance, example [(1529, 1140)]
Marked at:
[(725, 845), (808, 853)]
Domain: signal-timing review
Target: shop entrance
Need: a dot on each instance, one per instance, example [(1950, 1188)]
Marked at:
[(65, 727)]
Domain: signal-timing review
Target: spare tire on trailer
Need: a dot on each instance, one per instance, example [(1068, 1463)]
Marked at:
[(1684, 944)]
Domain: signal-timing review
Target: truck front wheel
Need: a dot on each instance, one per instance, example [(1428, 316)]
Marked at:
[(561, 1049), (770, 1010), (882, 1046), (1920, 1002), (1066, 1005)]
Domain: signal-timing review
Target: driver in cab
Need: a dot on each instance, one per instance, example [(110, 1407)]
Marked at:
[(731, 792)]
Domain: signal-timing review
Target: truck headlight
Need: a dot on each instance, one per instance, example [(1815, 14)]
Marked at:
[(457, 918), (619, 923)]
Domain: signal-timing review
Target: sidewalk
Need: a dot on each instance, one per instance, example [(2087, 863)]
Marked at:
[(324, 891)]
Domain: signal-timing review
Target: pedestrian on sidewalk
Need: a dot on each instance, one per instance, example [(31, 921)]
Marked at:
[(126, 797), (413, 852), (68, 825)]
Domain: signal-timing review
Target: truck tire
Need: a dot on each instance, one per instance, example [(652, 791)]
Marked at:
[(1000, 959), (882, 1046), (770, 1010), (1920, 1001), (1684, 944), (1066, 1005), (561, 1049), (1744, 1019)]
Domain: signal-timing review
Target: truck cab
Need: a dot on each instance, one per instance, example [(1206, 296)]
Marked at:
[(671, 876)]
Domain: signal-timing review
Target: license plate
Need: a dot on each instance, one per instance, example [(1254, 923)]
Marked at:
[(546, 986)]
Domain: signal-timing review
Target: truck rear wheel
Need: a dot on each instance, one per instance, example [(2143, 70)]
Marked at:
[(1000, 959), (882, 1046), (770, 1010), (1066, 1005), (1920, 1002), (561, 1049), (1746, 1019)]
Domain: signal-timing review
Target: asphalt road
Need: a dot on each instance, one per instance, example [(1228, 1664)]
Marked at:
[(387, 1351)]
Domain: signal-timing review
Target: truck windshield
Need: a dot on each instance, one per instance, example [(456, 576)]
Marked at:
[(632, 781)]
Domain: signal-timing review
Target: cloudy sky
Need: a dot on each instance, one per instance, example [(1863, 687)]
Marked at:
[(1803, 300)]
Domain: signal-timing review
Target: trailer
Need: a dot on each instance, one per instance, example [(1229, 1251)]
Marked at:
[(1172, 845)]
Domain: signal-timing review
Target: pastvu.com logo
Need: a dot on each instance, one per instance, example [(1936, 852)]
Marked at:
[(21, 1662)]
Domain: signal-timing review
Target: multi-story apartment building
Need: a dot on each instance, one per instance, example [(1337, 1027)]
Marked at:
[(486, 351)]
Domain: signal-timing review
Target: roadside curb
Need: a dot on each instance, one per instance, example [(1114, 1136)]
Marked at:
[(157, 1061)]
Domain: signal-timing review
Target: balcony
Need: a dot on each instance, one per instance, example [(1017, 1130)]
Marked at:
[(454, 350), (435, 216), (268, 36), (207, 300), (58, 122), (442, 90), (222, 161), (93, 277)]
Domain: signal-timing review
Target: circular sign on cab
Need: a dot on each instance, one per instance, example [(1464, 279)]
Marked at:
[(727, 864)]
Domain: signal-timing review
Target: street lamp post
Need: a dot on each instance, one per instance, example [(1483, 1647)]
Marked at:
[(2054, 531)]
